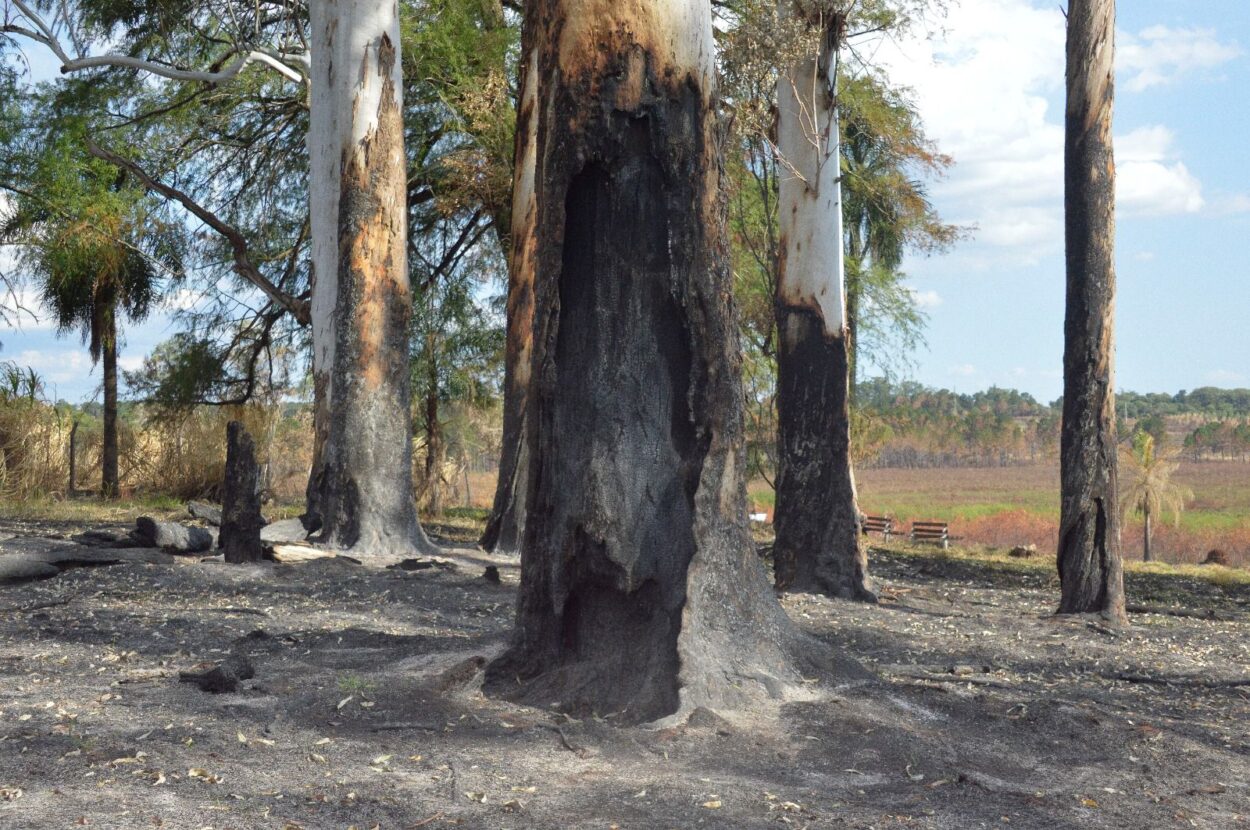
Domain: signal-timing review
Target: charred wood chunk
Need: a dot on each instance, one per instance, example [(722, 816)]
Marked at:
[(241, 519), (170, 536), (208, 513), (222, 678)]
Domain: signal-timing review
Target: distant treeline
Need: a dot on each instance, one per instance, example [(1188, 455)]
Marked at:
[(907, 424)]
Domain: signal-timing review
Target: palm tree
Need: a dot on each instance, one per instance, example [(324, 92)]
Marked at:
[(1151, 491), (95, 254)]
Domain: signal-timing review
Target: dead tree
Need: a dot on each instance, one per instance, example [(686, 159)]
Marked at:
[(241, 519), (641, 594), (817, 518), (1090, 569)]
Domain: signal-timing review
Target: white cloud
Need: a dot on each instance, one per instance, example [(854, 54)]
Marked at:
[(990, 89), (1224, 376), (57, 367), (1144, 256), (1149, 179), (1160, 55), (25, 310), (1232, 203), (983, 91), (925, 299), (964, 370), (183, 299)]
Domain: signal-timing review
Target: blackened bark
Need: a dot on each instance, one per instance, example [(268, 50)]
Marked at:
[(311, 518), (1090, 567), (73, 458), (364, 486), (641, 595), (503, 531), (1145, 549), (434, 451), (505, 526), (817, 546), (110, 485), (241, 519)]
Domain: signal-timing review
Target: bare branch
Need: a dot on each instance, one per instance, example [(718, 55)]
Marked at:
[(299, 308), (277, 61)]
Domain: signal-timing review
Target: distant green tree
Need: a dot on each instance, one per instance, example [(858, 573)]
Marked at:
[(1148, 490), (1155, 425), (96, 253)]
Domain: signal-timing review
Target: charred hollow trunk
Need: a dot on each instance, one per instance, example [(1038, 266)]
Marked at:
[(817, 523), (1090, 568), (110, 484), (641, 595)]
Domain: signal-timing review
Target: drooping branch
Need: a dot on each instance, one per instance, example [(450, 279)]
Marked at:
[(294, 67), (298, 307)]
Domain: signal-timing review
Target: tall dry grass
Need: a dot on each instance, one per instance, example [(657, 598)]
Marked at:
[(183, 459)]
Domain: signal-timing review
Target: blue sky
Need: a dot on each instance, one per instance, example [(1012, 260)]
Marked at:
[(990, 89)]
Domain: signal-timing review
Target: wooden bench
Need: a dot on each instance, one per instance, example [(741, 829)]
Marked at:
[(936, 533), (879, 524)]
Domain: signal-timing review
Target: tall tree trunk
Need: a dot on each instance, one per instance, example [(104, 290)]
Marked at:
[(1145, 550), (362, 483), (504, 529), (817, 519), (1090, 568), (641, 594), (110, 486), (852, 339), (434, 451), (73, 458)]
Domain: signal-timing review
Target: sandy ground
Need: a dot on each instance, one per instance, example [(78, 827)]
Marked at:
[(365, 710)]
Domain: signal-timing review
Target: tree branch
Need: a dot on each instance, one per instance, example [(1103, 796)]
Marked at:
[(300, 309), (277, 61)]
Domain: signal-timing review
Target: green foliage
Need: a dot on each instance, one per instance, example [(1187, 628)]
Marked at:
[(1208, 400), (94, 246)]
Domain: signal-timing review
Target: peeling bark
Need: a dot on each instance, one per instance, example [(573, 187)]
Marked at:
[(362, 486), (641, 595), (817, 517), (1090, 567)]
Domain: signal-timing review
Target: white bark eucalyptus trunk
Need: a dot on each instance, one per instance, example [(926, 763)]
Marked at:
[(361, 486), (817, 519)]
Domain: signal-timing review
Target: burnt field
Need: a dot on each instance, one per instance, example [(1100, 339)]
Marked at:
[(975, 707)]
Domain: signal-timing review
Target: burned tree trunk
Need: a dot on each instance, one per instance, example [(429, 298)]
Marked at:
[(817, 518), (361, 485), (110, 482), (1090, 568), (641, 595), (241, 519), (73, 458), (506, 525)]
